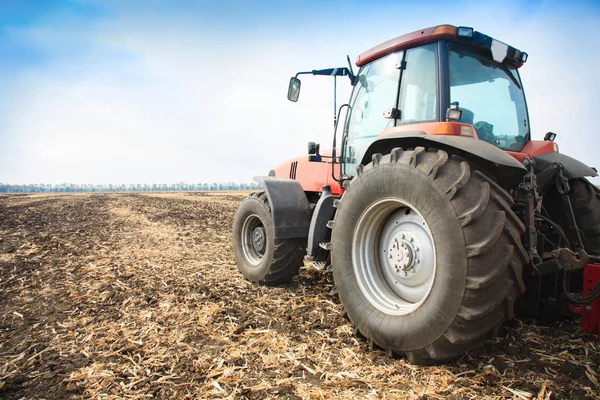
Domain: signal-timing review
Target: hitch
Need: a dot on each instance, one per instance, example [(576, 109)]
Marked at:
[(564, 259), (570, 261)]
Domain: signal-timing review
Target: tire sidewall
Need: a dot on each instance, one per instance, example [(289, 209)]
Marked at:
[(432, 318), (250, 206)]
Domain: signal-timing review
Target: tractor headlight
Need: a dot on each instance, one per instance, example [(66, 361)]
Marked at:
[(523, 57), (464, 31), (453, 114)]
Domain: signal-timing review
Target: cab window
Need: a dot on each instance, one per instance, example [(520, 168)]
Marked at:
[(490, 97), (418, 92), (375, 92)]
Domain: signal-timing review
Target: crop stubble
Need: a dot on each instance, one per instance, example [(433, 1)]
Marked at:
[(137, 295)]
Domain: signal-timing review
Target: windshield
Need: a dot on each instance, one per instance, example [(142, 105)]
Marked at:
[(490, 97)]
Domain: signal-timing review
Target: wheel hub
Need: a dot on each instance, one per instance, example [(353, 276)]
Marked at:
[(258, 238), (393, 256), (254, 240), (401, 254)]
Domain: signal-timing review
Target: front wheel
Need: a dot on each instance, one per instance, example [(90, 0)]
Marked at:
[(426, 254), (259, 256)]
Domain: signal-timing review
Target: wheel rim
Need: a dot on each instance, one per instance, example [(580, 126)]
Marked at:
[(254, 239), (393, 256)]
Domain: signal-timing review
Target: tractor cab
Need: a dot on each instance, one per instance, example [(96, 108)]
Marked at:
[(437, 81)]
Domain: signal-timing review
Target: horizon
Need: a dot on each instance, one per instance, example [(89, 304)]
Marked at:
[(66, 187)]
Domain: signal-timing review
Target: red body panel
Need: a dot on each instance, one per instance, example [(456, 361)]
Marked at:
[(535, 148), (405, 41), (311, 175), (590, 312)]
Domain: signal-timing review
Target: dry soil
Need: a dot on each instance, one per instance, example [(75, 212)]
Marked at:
[(138, 295)]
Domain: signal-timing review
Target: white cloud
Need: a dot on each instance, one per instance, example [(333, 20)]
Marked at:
[(174, 102)]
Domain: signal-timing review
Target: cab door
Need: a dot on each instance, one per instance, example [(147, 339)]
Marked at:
[(399, 89)]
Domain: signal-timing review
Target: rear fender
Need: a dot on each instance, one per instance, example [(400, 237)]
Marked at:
[(500, 164), (572, 168), (290, 207)]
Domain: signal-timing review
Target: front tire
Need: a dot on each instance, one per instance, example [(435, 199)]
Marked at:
[(259, 256), (455, 248)]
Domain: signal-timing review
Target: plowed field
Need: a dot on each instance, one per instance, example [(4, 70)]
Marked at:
[(138, 295)]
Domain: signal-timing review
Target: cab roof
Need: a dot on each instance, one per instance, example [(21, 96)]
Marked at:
[(435, 33)]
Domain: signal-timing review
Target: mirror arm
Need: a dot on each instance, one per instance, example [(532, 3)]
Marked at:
[(333, 151)]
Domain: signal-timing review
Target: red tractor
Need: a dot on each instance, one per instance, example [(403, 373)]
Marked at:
[(438, 215)]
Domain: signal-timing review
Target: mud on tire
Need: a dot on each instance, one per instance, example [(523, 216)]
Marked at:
[(259, 257), (477, 251)]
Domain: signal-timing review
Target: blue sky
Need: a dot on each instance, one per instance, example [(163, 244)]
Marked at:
[(194, 91)]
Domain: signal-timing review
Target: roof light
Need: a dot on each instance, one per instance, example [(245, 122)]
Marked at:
[(523, 57), (464, 31)]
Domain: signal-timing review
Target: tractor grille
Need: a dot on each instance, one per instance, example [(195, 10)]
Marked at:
[(293, 169)]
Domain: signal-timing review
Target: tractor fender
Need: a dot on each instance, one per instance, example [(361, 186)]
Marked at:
[(318, 225), (501, 164), (290, 208), (572, 168)]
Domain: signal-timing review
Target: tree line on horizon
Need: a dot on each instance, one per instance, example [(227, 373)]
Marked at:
[(139, 187)]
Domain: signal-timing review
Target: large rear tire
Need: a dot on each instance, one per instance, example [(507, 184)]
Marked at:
[(426, 254), (585, 201), (259, 256)]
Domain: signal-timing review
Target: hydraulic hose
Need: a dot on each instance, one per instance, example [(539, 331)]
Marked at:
[(576, 298)]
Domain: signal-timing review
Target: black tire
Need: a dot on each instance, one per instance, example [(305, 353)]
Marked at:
[(585, 200), (269, 261), (479, 255)]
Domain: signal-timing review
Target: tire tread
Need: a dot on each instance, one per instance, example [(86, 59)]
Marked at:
[(495, 254)]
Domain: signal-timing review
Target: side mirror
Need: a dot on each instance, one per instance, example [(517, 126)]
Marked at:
[(313, 152), (294, 89)]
